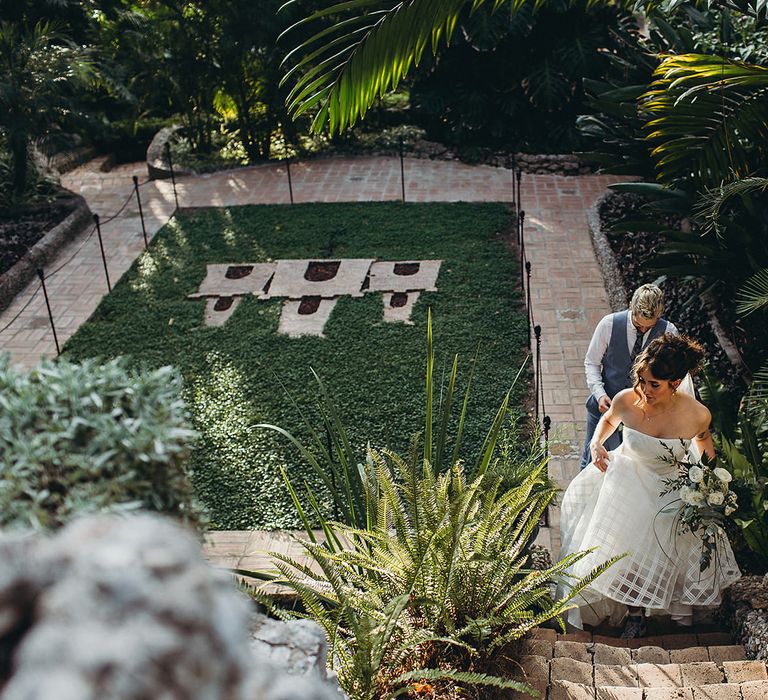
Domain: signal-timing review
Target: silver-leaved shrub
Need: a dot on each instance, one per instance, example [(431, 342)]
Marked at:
[(87, 437)]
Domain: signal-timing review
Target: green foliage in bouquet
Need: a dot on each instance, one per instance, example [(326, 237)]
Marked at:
[(706, 500), (88, 437)]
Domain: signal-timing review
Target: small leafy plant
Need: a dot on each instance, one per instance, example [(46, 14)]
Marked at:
[(88, 437)]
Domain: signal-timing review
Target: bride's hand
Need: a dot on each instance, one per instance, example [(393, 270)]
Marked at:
[(599, 456)]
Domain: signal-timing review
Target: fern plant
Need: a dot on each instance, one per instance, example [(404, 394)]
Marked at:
[(438, 587), (430, 581)]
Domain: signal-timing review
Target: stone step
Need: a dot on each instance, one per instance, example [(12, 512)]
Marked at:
[(694, 638), (567, 678), (606, 654), (749, 690)]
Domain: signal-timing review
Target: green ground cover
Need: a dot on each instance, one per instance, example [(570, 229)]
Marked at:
[(237, 375)]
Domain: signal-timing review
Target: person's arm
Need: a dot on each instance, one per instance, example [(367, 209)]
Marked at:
[(593, 362), (703, 438), (607, 426)]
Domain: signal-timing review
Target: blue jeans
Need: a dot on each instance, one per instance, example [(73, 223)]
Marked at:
[(593, 416)]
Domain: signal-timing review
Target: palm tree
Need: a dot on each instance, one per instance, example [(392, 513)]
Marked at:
[(343, 67), (38, 69)]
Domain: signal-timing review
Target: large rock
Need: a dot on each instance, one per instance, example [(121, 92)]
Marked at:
[(127, 609), (745, 610)]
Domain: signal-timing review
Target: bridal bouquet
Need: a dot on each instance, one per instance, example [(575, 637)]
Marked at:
[(706, 500)]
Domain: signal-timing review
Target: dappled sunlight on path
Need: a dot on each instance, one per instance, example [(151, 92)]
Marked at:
[(567, 289)]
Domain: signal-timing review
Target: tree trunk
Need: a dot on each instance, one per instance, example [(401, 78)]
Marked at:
[(19, 146)]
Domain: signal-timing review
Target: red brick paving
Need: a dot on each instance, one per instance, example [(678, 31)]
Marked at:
[(567, 289)]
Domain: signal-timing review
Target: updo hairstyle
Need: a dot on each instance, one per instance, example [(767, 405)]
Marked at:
[(669, 357)]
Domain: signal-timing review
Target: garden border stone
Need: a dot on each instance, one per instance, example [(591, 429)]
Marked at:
[(44, 251), (157, 164), (606, 260)]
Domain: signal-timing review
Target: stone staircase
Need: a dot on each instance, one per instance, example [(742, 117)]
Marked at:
[(582, 666)]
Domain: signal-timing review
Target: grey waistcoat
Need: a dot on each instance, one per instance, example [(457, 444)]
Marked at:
[(617, 367)]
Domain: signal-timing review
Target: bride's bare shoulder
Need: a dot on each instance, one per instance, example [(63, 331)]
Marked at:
[(626, 397), (697, 409)]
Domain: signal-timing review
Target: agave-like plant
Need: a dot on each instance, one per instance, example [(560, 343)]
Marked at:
[(430, 581), (438, 586)]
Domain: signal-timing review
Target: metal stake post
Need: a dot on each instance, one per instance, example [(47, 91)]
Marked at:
[(41, 275), (514, 197), (141, 211), (101, 246), (518, 175), (173, 174), (290, 181), (521, 241), (529, 305), (402, 169), (537, 333)]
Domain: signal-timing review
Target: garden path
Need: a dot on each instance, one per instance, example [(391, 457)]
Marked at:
[(568, 295)]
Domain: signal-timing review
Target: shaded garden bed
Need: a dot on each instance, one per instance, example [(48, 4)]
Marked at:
[(635, 252), (22, 227)]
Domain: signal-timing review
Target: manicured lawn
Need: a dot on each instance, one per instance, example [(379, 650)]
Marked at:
[(238, 375)]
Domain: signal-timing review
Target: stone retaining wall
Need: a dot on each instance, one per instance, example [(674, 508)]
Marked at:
[(43, 252), (745, 612), (157, 161)]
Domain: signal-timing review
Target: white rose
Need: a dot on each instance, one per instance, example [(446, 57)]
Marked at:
[(695, 474), (716, 498), (685, 494), (696, 498), (723, 474)]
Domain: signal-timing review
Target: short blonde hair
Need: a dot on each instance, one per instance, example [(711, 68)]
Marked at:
[(647, 301)]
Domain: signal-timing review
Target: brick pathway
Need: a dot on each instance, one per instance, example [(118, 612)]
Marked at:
[(567, 290)]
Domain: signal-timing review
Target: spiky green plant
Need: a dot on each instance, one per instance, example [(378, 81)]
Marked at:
[(430, 580), (437, 587)]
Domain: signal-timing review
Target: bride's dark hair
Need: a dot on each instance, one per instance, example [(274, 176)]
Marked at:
[(669, 357)]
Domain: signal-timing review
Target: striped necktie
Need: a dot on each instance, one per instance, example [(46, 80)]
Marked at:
[(636, 348)]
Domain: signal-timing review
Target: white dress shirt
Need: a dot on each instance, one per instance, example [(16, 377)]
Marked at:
[(593, 361)]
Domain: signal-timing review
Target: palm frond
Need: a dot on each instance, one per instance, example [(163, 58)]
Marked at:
[(710, 205), (753, 296), (706, 116)]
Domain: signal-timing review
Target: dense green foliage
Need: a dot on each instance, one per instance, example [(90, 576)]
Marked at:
[(40, 70), (513, 80), (430, 580), (90, 437), (245, 373)]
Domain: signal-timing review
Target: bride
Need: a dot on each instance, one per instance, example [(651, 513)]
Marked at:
[(615, 507)]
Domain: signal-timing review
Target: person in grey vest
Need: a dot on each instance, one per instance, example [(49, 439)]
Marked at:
[(616, 342)]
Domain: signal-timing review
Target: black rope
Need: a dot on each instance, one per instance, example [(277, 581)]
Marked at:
[(21, 310), (72, 257)]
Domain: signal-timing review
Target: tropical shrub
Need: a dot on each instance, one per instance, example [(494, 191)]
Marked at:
[(432, 585), (40, 67), (438, 587), (742, 444), (89, 437), (513, 80)]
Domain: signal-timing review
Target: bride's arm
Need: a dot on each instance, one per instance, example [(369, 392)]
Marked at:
[(703, 438), (606, 427)]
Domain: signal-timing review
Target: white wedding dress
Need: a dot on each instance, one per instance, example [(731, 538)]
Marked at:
[(620, 511)]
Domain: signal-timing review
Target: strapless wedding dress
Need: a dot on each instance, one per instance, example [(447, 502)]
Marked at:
[(620, 511)]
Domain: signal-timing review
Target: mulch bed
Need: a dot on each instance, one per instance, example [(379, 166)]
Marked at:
[(635, 252), (22, 227)]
